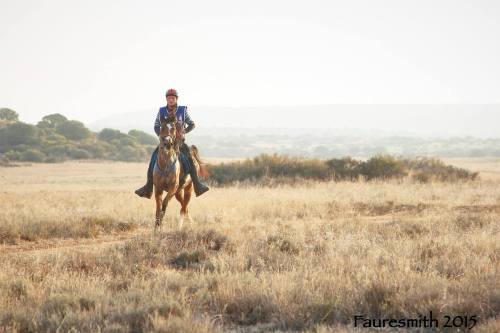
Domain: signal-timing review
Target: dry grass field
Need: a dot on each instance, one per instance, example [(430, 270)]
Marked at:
[(78, 253)]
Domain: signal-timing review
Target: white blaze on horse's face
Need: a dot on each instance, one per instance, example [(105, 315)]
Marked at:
[(169, 128), (166, 136), (166, 141)]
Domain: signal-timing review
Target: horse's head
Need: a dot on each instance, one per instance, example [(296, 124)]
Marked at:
[(167, 133), (166, 142)]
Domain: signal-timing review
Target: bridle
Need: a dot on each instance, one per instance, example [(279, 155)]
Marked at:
[(173, 145)]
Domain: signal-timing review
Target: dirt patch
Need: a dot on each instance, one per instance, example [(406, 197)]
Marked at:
[(52, 245), (389, 207)]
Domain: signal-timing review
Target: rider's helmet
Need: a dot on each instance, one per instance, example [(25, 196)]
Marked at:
[(172, 92)]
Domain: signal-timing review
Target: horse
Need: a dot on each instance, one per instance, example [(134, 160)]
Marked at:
[(168, 171)]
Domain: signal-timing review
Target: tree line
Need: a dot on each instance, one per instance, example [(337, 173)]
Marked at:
[(56, 138)]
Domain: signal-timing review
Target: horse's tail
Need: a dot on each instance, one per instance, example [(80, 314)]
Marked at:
[(203, 170)]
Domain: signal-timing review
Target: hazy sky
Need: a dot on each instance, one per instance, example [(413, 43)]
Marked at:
[(89, 59)]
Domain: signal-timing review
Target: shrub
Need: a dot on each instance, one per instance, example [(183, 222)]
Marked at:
[(73, 130), (58, 150), (128, 153), (126, 141), (143, 138), (95, 149), (12, 155), (8, 114), (266, 167), (282, 169), (55, 138), (344, 168), (108, 134), (32, 155), (18, 133), (383, 167), (52, 120), (431, 169), (79, 154)]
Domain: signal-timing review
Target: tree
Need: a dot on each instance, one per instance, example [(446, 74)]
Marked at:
[(73, 130), (52, 120), (109, 134), (143, 138), (32, 155), (8, 114), (18, 133)]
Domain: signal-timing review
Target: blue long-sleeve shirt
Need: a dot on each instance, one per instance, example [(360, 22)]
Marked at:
[(182, 116)]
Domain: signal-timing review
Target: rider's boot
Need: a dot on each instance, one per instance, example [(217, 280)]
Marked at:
[(147, 190), (199, 187)]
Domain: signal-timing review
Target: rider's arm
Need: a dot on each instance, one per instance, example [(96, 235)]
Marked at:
[(189, 122), (157, 124)]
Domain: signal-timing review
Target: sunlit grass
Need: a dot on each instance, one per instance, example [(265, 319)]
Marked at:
[(307, 257)]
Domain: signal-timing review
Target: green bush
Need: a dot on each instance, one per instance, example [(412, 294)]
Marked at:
[(55, 138), (268, 167), (344, 168), (51, 120), (96, 149), (143, 138), (108, 134), (383, 167), (432, 169), (127, 141), (32, 155), (282, 169), (58, 150), (12, 155), (79, 154), (127, 153), (73, 130), (18, 133), (8, 114)]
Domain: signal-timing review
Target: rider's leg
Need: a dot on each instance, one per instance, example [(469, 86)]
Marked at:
[(147, 190), (199, 187), (186, 168)]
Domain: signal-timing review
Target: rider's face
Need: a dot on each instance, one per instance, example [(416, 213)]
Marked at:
[(171, 100)]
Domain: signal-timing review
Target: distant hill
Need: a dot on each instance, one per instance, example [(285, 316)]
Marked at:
[(334, 131), (418, 120)]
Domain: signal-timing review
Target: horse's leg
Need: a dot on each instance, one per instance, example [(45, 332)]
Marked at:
[(187, 197), (164, 205), (179, 196), (159, 215)]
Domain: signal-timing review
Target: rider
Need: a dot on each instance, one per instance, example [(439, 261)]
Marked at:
[(180, 112)]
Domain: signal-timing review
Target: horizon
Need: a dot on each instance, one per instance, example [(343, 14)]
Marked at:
[(460, 120)]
